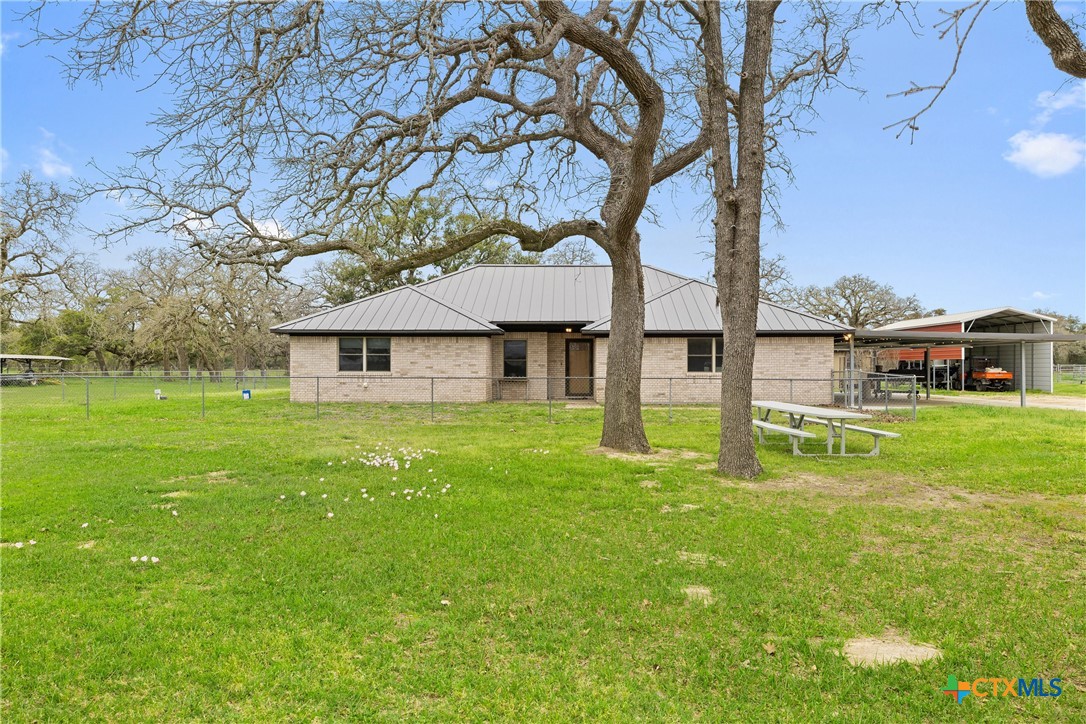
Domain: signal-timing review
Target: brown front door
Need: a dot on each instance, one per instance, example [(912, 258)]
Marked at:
[(578, 368)]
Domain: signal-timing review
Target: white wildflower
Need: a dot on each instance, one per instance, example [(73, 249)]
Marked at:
[(32, 542), (143, 559), (330, 514), (154, 560), (302, 493), (19, 544), (135, 559), (174, 513), (84, 525), (282, 497), (324, 496)]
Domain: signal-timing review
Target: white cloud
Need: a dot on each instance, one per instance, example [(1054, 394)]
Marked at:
[(52, 165), (1041, 296), (5, 41), (3, 160), (49, 161), (1045, 154), (1051, 103), (269, 227)]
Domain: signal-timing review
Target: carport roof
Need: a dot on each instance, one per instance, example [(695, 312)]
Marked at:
[(886, 339), (995, 315)]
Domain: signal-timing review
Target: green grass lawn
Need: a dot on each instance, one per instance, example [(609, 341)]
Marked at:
[(546, 583)]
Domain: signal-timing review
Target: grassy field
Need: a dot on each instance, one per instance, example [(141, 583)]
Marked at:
[(545, 583)]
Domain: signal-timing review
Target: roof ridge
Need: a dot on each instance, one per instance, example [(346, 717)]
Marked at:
[(648, 300), (344, 305), (453, 307), (785, 307)]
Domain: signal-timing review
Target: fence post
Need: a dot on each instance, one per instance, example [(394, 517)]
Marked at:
[(431, 399), (63, 390), (669, 399), (203, 399), (87, 382), (914, 399), (550, 402), (114, 388), (791, 389), (318, 398)]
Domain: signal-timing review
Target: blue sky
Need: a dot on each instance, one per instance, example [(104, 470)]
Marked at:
[(986, 208)]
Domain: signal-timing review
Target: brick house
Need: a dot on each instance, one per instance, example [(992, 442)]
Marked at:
[(536, 332)]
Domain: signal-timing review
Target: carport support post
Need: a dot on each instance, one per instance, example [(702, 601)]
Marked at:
[(927, 373), (1022, 376), (203, 399)]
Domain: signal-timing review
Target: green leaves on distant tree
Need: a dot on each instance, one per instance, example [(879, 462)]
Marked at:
[(858, 301)]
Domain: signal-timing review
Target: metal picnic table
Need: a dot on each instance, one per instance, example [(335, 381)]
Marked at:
[(834, 419)]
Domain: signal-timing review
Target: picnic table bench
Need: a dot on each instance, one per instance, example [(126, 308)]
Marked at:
[(835, 421)]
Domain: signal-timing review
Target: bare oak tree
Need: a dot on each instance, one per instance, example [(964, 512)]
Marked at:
[(35, 220), (296, 123), (758, 87)]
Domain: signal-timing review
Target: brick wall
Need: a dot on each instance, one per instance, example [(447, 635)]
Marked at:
[(313, 356), (482, 358), (774, 358), (533, 388)]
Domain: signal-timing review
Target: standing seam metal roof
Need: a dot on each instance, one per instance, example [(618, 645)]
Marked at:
[(478, 299)]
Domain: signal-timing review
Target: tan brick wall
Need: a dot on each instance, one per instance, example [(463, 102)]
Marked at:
[(412, 357), (774, 358), (533, 388)]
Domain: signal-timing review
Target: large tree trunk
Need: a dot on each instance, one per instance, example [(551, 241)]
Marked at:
[(623, 428), (738, 225)]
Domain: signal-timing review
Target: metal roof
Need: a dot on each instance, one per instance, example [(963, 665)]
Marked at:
[(538, 293), (886, 339), (402, 310), (993, 316), (481, 298), (691, 308)]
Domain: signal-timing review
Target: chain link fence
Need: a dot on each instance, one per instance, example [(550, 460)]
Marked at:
[(1069, 373), (433, 399)]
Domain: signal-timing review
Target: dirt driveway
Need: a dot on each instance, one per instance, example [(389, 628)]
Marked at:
[(1052, 402)]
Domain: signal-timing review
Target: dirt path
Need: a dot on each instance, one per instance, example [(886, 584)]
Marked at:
[(1052, 402)]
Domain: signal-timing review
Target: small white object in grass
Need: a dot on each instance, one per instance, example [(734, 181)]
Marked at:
[(32, 542), (143, 559), (302, 493), (394, 478), (445, 602), (174, 513), (135, 558), (409, 497), (324, 495), (435, 515), (282, 497), (430, 470), (84, 525), (363, 490), (154, 560), (393, 493), (330, 514), (322, 480), (329, 462), (346, 500), (19, 544), (373, 500), (435, 480)]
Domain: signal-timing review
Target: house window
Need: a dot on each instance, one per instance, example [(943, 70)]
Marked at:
[(365, 354), (704, 355), (516, 358)]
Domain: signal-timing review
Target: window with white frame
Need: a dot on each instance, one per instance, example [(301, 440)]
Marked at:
[(704, 355), (365, 354)]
